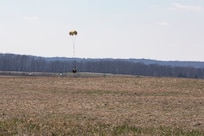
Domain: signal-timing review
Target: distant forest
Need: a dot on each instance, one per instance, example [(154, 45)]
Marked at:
[(141, 67)]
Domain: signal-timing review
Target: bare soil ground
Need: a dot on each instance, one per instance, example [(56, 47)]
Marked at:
[(111, 105)]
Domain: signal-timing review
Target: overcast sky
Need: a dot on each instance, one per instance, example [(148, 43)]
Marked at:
[(150, 29)]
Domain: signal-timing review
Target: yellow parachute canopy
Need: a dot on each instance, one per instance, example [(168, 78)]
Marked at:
[(72, 33)]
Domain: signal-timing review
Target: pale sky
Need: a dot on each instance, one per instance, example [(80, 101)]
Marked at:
[(150, 29)]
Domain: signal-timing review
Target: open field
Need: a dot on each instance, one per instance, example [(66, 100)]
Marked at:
[(103, 105)]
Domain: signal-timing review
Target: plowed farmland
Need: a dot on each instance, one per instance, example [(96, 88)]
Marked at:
[(111, 105)]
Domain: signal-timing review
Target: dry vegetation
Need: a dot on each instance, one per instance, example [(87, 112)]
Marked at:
[(112, 105)]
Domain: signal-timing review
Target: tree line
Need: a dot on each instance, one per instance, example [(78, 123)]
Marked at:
[(27, 63)]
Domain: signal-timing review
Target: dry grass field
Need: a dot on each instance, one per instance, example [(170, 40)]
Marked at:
[(111, 105)]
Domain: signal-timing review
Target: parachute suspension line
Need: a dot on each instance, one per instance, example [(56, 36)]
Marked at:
[(74, 53), (73, 42)]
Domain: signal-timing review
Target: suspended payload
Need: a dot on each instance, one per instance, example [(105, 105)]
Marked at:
[(73, 34)]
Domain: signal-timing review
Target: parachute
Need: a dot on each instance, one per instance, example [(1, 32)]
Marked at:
[(73, 34)]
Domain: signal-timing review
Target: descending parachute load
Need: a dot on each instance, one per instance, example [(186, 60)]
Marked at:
[(73, 33)]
